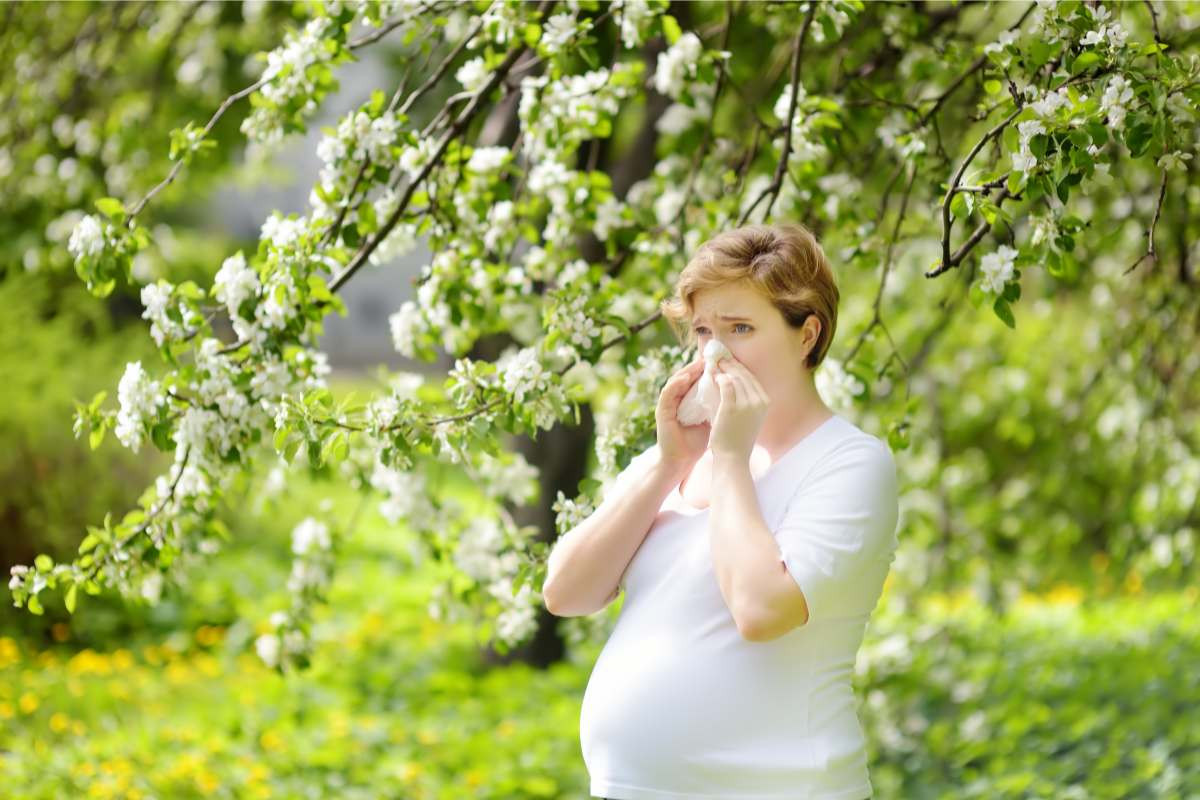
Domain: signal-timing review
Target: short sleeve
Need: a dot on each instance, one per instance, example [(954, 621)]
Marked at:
[(837, 536)]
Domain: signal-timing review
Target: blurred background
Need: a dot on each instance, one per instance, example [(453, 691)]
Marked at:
[(1039, 636)]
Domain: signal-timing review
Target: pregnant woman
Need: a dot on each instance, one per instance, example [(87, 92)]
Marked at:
[(752, 548)]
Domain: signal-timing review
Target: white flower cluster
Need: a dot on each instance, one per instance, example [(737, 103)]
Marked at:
[(1024, 160), (997, 269), (139, 399), (514, 480), (838, 186), (1006, 38), (522, 373), (156, 297), (287, 78), (485, 554), (1174, 161), (1050, 102), (559, 30), (569, 512), (499, 25), (573, 318), (235, 282), (413, 159), (311, 534), (893, 136), (473, 75), (677, 64), (634, 15), (1116, 95), (609, 217), (89, 237), (406, 324), (406, 496), (217, 387), (557, 115), (1109, 34), (836, 386)]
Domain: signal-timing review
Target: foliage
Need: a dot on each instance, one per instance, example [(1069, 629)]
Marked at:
[(1001, 167), (1064, 696)]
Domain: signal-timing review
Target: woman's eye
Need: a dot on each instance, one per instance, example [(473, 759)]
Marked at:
[(701, 330)]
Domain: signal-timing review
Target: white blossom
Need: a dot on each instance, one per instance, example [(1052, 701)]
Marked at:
[(676, 64), (634, 14), (836, 386), (478, 548), (267, 646), (1051, 102), (406, 323), (557, 31), (1175, 160), (88, 237), (1116, 95), (523, 373), (488, 159), (608, 217), (997, 269), (473, 75), (234, 283), (139, 399), (310, 533)]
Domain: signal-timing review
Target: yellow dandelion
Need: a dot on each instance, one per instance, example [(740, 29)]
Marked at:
[(6, 711), (1133, 583), (426, 736), (270, 740), (78, 728), (209, 635), (59, 722), (473, 777), (207, 782), (122, 659), (506, 728), (408, 771), (28, 703)]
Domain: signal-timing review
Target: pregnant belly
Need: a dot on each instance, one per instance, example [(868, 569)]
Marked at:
[(687, 712)]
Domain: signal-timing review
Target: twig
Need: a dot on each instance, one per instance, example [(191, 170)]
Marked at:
[(1150, 252)]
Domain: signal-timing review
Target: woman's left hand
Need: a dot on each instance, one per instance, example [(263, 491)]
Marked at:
[(741, 413)]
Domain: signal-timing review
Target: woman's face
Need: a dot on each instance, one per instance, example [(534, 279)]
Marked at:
[(755, 332)]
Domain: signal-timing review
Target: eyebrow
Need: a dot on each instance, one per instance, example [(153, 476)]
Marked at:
[(725, 316)]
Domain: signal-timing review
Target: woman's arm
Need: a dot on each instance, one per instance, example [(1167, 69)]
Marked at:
[(586, 564)]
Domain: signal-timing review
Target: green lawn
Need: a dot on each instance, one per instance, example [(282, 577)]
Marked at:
[(1062, 698)]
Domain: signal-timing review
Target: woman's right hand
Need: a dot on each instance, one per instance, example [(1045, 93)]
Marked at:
[(680, 446)]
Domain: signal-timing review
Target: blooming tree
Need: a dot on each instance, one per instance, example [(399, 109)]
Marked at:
[(533, 242)]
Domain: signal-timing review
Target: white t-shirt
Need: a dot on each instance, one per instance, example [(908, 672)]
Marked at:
[(680, 706)]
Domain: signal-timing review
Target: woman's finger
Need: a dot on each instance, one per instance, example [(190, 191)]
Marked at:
[(752, 389)]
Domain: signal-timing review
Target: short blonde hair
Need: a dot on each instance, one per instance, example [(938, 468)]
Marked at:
[(784, 261)]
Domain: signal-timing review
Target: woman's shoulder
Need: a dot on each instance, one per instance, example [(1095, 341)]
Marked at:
[(853, 444)]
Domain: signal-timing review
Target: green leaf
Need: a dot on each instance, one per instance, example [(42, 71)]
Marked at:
[(1004, 312), (112, 208), (70, 599), (44, 563), (671, 29), (96, 436), (992, 86), (35, 605), (378, 98), (958, 206), (532, 33), (1085, 60)]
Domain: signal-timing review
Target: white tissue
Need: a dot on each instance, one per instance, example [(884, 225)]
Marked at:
[(701, 402)]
